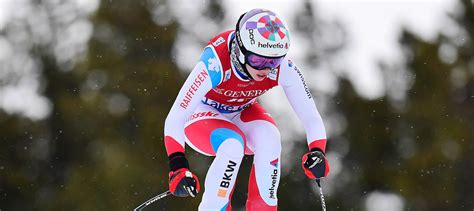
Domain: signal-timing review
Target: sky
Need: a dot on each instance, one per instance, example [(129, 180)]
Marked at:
[(373, 29), (22, 95), (371, 38), (385, 18)]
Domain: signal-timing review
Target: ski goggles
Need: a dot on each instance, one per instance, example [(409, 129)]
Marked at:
[(260, 63)]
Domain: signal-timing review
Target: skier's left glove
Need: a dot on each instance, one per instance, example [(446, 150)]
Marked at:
[(182, 181), (315, 164)]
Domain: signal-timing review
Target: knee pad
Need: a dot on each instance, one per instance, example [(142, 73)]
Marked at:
[(227, 141), (231, 148), (267, 138)]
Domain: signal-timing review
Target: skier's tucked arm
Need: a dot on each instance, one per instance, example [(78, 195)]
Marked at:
[(206, 74), (314, 162)]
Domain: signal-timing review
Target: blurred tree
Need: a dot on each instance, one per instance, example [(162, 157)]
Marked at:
[(416, 141), (24, 162), (32, 168), (117, 109), (111, 82), (438, 118), (101, 149)]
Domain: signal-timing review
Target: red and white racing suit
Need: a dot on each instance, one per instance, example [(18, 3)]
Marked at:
[(216, 113)]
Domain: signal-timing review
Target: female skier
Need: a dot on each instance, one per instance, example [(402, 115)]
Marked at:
[(216, 114)]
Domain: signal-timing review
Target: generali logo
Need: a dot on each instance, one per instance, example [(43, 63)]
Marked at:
[(244, 93)]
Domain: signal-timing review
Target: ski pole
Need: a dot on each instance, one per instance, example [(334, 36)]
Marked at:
[(150, 201), (323, 203)]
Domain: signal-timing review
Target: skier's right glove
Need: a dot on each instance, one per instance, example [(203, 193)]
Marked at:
[(315, 164), (182, 182)]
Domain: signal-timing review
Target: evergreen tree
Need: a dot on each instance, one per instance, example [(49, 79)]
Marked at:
[(438, 118), (418, 146)]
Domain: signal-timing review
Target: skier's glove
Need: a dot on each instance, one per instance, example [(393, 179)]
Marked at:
[(182, 182), (315, 164)]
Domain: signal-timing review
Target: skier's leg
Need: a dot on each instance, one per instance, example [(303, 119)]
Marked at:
[(263, 138), (213, 134), (221, 176)]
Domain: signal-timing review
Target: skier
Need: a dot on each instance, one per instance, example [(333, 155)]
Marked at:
[(216, 114)]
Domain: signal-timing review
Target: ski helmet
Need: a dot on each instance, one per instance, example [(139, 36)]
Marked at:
[(261, 32)]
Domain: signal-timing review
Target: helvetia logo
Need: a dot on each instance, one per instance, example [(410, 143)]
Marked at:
[(268, 45), (274, 177), (274, 163)]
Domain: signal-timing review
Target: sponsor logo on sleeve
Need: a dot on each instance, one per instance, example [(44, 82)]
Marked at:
[(197, 82), (306, 89), (213, 64), (290, 63), (219, 41)]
